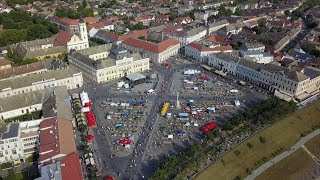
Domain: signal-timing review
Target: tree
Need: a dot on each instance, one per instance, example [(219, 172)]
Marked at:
[(262, 139), (142, 37), (287, 13), (237, 152), (8, 23), (139, 26), (84, 3), (238, 12), (250, 145), (37, 31)]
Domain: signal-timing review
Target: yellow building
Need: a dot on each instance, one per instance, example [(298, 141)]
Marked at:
[(104, 63), (40, 49)]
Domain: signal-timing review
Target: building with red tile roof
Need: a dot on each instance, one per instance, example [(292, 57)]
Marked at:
[(111, 37), (157, 52), (56, 139), (71, 25), (68, 167), (215, 38), (200, 52), (183, 20)]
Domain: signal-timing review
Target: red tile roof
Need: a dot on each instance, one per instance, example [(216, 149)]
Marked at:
[(201, 48), (180, 20), (149, 46), (97, 25), (68, 21), (62, 38), (56, 137), (217, 38), (70, 167), (135, 34)]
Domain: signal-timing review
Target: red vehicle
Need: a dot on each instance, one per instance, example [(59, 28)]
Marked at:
[(209, 127), (167, 65), (125, 141), (204, 77)]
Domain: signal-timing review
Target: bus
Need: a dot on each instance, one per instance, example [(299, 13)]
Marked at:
[(165, 108)]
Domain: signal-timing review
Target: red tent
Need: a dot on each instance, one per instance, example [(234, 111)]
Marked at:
[(87, 104), (125, 141), (90, 137), (90, 118), (167, 65), (209, 127), (204, 77), (109, 178)]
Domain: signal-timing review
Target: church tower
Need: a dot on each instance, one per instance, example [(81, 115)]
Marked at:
[(83, 30)]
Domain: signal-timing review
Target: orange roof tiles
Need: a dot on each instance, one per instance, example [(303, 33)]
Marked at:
[(149, 46), (135, 34), (62, 38), (217, 38), (68, 21), (56, 137), (70, 167)]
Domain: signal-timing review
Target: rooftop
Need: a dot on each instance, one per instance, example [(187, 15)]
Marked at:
[(33, 78), (150, 46), (12, 131), (95, 50), (23, 100)]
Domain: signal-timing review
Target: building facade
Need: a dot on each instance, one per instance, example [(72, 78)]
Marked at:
[(104, 63), (64, 77), (19, 141), (156, 52), (289, 83)]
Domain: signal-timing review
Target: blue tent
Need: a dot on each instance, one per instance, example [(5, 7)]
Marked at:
[(126, 115), (181, 132)]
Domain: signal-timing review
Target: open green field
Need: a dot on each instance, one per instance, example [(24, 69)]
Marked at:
[(282, 134), (313, 146), (291, 167)]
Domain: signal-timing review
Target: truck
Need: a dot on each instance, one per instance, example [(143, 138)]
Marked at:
[(165, 108)]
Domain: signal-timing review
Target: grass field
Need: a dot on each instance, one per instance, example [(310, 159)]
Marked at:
[(313, 146), (291, 167), (282, 134)]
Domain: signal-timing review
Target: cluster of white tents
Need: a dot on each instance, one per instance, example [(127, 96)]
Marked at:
[(123, 84), (84, 98), (191, 72)]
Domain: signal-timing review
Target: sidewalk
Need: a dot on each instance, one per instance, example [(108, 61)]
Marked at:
[(283, 155)]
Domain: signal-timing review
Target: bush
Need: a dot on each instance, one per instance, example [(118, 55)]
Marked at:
[(262, 139), (237, 152), (249, 145), (6, 165)]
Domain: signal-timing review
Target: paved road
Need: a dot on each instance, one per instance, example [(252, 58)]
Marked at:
[(283, 155)]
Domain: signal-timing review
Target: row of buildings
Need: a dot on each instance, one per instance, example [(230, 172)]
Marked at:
[(51, 136), (284, 82)]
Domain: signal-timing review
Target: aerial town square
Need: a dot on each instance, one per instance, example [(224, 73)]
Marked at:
[(160, 89)]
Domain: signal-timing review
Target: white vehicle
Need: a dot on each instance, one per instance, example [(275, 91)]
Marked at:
[(236, 103)]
